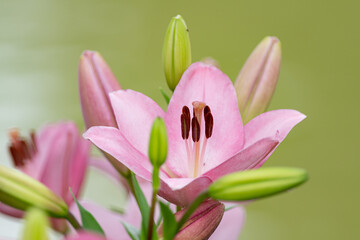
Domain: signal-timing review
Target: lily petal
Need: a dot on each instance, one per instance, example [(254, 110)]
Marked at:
[(110, 222), (205, 83), (182, 191), (274, 124), (135, 114), (111, 140), (245, 159), (230, 225)]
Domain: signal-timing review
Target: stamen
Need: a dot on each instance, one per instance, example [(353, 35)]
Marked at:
[(195, 126), (209, 123), (185, 123), (21, 149), (207, 110)]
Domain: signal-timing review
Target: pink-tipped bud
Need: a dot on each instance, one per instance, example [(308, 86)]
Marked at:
[(257, 80), (96, 81), (202, 223)]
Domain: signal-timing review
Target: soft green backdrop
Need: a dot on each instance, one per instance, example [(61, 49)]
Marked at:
[(41, 41)]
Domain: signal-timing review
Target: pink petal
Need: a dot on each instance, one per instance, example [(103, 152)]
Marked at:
[(208, 84), (113, 142), (11, 211), (109, 221), (245, 159), (135, 114), (66, 160), (274, 124), (230, 225), (182, 191), (85, 236)]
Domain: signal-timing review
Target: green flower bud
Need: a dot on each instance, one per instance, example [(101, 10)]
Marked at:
[(36, 225), (158, 143), (257, 183), (20, 191), (176, 51)]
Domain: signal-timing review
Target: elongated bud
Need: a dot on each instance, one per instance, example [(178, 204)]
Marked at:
[(257, 80), (96, 81), (20, 191), (158, 143), (257, 183), (36, 225), (176, 51), (202, 223)]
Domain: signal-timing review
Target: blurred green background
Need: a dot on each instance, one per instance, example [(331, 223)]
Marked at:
[(41, 41)]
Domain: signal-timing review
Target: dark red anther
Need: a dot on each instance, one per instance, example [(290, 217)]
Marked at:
[(195, 129), (209, 123), (185, 127), (185, 122), (33, 141), (206, 110), (15, 156), (186, 112)]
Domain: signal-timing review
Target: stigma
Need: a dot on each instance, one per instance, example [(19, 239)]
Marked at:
[(196, 146)]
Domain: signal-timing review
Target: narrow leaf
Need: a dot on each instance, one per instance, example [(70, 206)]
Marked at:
[(133, 232), (166, 97), (143, 206), (88, 220), (169, 223)]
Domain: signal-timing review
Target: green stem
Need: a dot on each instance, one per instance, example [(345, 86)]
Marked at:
[(191, 209), (72, 220), (151, 217), (131, 186)]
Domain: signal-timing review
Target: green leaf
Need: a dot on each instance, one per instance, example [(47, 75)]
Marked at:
[(133, 232), (169, 223), (87, 219), (143, 206), (166, 97)]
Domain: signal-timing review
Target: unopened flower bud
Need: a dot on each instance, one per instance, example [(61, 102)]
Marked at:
[(176, 51), (158, 143), (256, 82), (36, 225), (96, 81), (253, 184), (202, 223), (20, 191)]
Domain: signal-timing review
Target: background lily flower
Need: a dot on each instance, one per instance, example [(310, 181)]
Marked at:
[(57, 156), (206, 137)]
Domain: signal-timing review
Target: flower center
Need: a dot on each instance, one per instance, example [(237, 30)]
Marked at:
[(196, 149), (21, 149)]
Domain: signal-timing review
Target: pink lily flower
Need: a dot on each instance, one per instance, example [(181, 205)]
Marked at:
[(57, 156), (203, 147)]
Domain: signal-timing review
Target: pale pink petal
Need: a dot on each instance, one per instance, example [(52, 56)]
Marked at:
[(230, 225), (113, 142), (274, 124), (135, 114), (245, 159), (182, 191), (85, 236), (11, 211), (201, 82), (109, 221)]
